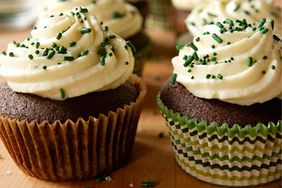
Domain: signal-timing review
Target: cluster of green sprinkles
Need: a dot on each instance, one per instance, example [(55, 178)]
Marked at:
[(227, 25)]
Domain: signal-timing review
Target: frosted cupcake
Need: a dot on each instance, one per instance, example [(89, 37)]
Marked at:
[(120, 17), (220, 10), (223, 104), (70, 107)]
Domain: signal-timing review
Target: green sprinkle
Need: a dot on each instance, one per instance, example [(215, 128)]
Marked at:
[(219, 76), (68, 58), (83, 10), (54, 45), (45, 52), (196, 57), (264, 30), (264, 57), (208, 76), (173, 78), (11, 54), (106, 29), (37, 52), (112, 37), (272, 24), (44, 67), (192, 45), (161, 135), (117, 15), (72, 44), (189, 70), (148, 184), (217, 38), (219, 25), (51, 54), (100, 178), (83, 53), (262, 22), (30, 57), (179, 47), (63, 94), (62, 50), (273, 67), (250, 61), (102, 60), (198, 39), (110, 54), (237, 7), (126, 62), (59, 36), (37, 44), (129, 43), (263, 72), (188, 61), (213, 46), (4, 53), (275, 37), (85, 30), (212, 15)]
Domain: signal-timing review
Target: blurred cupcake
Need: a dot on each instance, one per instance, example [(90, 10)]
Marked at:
[(142, 5), (160, 16), (70, 107), (220, 10), (182, 9), (223, 104), (120, 17)]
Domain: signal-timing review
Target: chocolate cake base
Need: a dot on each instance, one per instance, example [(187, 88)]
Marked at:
[(140, 41), (179, 99), (32, 107), (142, 6)]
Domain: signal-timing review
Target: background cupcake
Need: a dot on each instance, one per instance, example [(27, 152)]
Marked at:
[(70, 108), (223, 106), (182, 10), (120, 17), (143, 7), (220, 10)]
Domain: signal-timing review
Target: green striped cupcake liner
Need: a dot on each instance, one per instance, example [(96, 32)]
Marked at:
[(223, 155)]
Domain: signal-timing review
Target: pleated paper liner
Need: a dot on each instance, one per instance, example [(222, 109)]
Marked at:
[(223, 155), (74, 150)]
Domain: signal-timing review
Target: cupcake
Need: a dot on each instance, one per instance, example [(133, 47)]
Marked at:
[(182, 9), (70, 106), (220, 10), (223, 104), (142, 5), (120, 17), (160, 16)]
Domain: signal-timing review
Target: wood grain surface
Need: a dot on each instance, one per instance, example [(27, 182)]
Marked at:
[(152, 157)]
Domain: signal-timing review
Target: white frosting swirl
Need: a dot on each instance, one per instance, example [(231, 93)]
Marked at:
[(244, 68), (188, 4), (121, 18), (86, 59), (219, 10)]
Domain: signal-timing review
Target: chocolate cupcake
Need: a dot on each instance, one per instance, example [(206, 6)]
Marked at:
[(70, 107), (121, 18), (215, 11), (142, 6), (223, 107)]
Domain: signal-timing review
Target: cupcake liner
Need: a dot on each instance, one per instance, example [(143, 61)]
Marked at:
[(223, 155), (67, 151), (160, 14)]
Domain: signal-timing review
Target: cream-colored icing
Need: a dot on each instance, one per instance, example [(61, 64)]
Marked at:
[(127, 24), (47, 77), (235, 81), (188, 4), (219, 10)]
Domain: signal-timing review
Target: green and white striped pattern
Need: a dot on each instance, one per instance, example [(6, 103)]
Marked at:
[(230, 156)]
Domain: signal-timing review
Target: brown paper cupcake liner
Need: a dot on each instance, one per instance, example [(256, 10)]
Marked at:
[(74, 150)]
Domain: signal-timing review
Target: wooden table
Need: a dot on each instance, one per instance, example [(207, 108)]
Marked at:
[(152, 157)]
